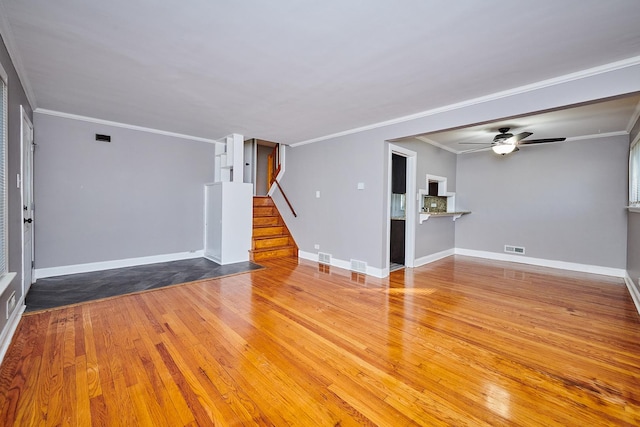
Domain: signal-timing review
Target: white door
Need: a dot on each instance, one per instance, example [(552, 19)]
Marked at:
[(26, 185)]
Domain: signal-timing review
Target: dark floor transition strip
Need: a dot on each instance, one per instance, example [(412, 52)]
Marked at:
[(52, 292)]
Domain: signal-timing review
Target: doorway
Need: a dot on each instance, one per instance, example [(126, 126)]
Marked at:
[(263, 165), (402, 206), (26, 186)]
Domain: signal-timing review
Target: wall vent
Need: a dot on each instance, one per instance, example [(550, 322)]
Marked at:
[(324, 258), (358, 266), (514, 249)]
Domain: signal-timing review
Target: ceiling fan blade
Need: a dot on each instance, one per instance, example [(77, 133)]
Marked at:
[(543, 141), (517, 138), (473, 150), (475, 143)]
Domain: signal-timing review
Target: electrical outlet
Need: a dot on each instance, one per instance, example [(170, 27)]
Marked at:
[(11, 303), (316, 246)]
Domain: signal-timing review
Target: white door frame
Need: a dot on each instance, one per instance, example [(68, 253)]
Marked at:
[(411, 209), (26, 151)]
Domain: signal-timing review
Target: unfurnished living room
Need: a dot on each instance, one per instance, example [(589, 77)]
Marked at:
[(314, 213)]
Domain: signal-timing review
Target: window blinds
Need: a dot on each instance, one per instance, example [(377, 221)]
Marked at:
[(3, 173), (634, 175)]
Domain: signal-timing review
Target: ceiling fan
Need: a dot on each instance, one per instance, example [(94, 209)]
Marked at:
[(505, 142)]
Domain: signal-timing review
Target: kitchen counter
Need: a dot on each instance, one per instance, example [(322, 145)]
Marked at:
[(455, 215)]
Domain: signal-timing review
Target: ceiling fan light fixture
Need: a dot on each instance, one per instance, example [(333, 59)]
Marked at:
[(503, 148)]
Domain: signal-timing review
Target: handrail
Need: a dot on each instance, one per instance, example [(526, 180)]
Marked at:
[(286, 199)]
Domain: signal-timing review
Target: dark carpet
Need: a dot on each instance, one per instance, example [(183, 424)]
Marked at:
[(52, 292)]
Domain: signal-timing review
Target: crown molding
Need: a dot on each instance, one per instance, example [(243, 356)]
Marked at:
[(437, 144), (613, 66), (14, 55), (122, 125)]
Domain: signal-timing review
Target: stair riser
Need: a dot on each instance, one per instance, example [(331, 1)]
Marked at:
[(262, 201), (266, 220), (276, 253), (271, 243), (268, 231), (259, 211)]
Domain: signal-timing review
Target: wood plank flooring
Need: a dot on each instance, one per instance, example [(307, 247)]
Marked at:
[(459, 342)]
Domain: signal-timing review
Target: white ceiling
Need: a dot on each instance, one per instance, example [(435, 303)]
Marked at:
[(294, 70)]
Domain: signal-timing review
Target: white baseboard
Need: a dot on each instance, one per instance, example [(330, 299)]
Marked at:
[(10, 328), (634, 290), (562, 265), (433, 257), (339, 263), (41, 273)]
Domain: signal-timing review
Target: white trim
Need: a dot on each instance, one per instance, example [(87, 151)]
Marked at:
[(10, 328), (437, 144), (108, 265), (634, 291), (630, 62), (634, 209), (121, 125), (345, 265), (593, 136), (5, 281), (562, 265), (419, 262), (14, 55), (411, 208)]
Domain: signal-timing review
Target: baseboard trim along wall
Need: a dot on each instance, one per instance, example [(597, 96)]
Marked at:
[(562, 265), (433, 257), (10, 328), (346, 265), (41, 273), (634, 290)]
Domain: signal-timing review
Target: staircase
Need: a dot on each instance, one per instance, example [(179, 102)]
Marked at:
[(271, 237)]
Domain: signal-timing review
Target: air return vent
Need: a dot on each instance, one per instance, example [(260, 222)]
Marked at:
[(324, 258), (103, 138), (514, 249), (358, 266)]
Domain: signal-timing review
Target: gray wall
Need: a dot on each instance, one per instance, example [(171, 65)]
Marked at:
[(16, 98), (140, 195), (436, 234), (562, 202), (352, 224), (346, 222)]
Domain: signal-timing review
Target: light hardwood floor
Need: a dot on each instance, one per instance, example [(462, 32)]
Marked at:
[(459, 342)]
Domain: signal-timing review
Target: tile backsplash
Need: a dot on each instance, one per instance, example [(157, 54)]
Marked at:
[(435, 204)]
